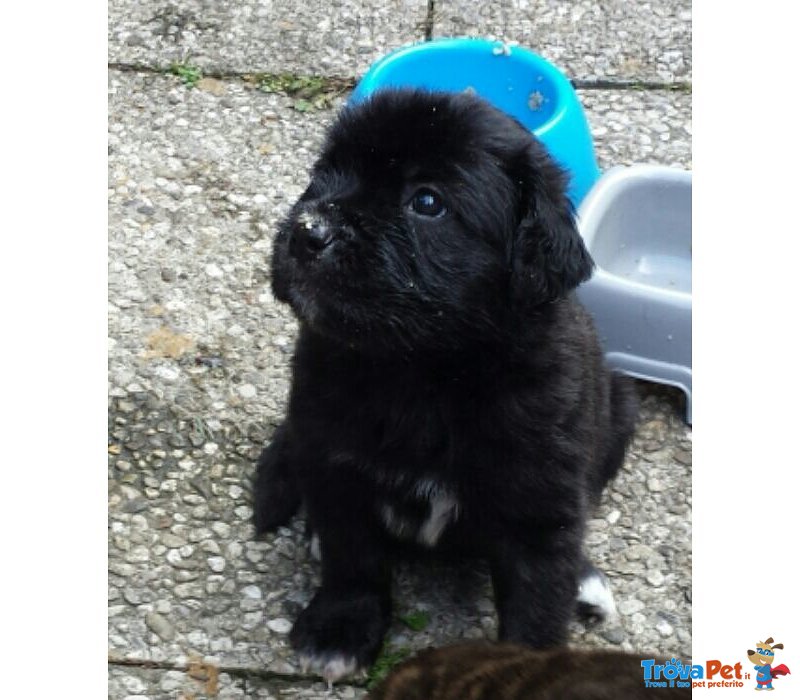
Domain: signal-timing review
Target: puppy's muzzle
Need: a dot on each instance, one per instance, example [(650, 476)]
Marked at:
[(310, 236)]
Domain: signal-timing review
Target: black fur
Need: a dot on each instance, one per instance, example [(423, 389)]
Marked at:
[(440, 359)]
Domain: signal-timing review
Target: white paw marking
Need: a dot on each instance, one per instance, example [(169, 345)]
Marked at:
[(332, 667), (595, 591)]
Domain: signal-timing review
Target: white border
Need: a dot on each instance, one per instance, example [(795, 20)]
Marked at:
[(53, 351), (746, 347)]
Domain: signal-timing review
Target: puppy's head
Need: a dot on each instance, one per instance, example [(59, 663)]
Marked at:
[(431, 221)]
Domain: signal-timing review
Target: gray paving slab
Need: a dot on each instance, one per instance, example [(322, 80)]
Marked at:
[(197, 682), (198, 375), (609, 40), (330, 37), (587, 39), (204, 681)]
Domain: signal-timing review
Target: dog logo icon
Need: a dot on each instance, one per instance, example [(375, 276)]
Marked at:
[(762, 659)]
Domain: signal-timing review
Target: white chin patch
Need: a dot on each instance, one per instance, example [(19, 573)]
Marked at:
[(331, 667), (595, 597)]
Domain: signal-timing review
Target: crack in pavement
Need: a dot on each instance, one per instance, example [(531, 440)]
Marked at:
[(241, 672), (337, 81)]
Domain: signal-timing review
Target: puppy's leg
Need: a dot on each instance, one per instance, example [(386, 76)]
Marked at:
[(535, 586), (342, 629), (276, 496)]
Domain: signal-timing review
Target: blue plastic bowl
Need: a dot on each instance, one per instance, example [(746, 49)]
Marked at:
[(517, 81)]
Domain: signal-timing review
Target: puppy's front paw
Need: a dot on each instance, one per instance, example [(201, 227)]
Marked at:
[(276, 496), (339, 634), (331, 667)]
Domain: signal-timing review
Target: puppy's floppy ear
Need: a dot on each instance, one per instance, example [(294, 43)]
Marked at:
[(548, 257)]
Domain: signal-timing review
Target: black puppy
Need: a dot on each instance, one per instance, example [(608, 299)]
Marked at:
[(448, 389)]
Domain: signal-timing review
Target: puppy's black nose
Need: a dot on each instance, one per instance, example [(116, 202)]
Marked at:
[(316, 238), (309, 239)]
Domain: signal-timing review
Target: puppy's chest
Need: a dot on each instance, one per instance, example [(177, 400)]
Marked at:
[(419, 514), (417, 466), (426, 448), (422, 472)]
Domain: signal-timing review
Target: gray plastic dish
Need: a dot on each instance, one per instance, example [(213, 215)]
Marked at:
[(637, 224)]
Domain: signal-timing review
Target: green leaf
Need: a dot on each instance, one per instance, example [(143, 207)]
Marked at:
[(388, 659), (417, 620), (190, 75)]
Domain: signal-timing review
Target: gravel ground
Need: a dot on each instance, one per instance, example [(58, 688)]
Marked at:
[(198, 378)]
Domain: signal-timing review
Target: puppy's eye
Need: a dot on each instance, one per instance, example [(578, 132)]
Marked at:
[(426, 202)]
